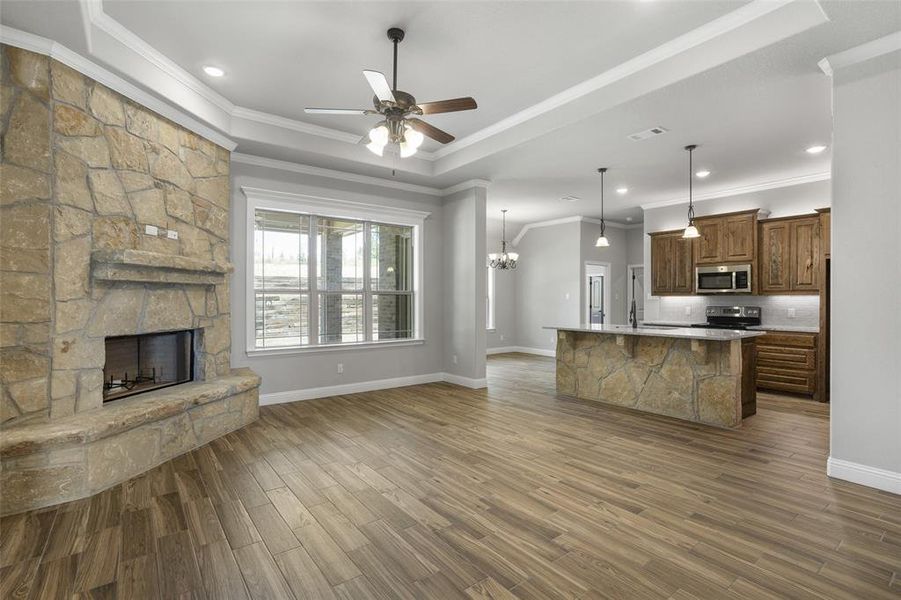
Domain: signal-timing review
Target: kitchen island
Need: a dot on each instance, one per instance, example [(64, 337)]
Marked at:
[(700, 375)]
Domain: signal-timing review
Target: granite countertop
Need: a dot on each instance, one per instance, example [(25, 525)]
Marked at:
[(716, 335), (790, 328)]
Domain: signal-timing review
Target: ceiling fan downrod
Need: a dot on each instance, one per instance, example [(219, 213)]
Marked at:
[(396, 35)]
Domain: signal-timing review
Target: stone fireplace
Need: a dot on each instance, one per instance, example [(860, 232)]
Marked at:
[(113, 237)]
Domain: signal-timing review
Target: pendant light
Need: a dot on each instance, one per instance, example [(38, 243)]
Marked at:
[(691, 231), (602, 242), (504, 260)]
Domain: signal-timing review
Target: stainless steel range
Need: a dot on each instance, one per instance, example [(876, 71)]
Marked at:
[(731, 317)]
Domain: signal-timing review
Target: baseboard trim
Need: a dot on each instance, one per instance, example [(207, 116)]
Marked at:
[(368, 386), (501, 350), (881, 479), (536, 351), (468, 382)]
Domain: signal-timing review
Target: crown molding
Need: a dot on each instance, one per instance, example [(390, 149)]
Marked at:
[(465, 185), (282, 165), (329, 202), (744, 189), (563, 220), (858, 54), (700, 35), (240, 112), (56, 51), (92, 12)]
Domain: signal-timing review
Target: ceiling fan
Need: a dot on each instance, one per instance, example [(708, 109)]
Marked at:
[(400, 109)]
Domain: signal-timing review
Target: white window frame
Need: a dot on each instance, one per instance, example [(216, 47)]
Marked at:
[(491, 300), (335, 208)]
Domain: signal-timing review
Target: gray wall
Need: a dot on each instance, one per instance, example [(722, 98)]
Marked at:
[(505, 298), (318, 369), (464, 283), (866, 265), (547, 283), (615, 254), (635, 245), (792, 200)]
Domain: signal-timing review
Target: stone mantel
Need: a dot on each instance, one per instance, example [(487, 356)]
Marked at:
[(154, 267)]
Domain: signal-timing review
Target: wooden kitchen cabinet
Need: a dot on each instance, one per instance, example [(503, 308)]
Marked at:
[(805, 255), (775, 257), (671, 264), (729, 238), (790, 255), (787, 362)]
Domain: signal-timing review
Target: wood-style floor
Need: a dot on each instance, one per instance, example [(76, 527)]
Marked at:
[(435, 491)]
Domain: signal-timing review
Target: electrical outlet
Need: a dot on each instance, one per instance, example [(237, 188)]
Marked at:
[(455, 359), (340, 368), (172, 234), (502, 337), (791, 313), (688, 311), (566, 295), (151, 230)]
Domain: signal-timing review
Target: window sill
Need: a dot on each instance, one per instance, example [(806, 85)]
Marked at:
[(332, 347)]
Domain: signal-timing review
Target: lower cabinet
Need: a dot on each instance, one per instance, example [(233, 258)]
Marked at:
[(787, 362)]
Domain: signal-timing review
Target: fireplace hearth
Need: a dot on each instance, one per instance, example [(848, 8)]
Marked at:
[(140, 363)]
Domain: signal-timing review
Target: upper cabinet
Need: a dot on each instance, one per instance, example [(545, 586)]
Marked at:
[(671, 264), (790, 255), (726, 238), (785, 254)]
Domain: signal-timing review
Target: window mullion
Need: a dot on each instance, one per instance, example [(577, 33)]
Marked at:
[(313, 253), (367, 281)]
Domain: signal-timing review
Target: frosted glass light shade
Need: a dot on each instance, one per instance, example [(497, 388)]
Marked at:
[(407, 149), (376, 148), (513, 256), (602, 242), (379, 135), (690, 232)]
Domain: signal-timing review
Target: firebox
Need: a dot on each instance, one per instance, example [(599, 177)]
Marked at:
[(141, 363)]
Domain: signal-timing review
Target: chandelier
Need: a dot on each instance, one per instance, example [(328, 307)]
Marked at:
[(504, 260)]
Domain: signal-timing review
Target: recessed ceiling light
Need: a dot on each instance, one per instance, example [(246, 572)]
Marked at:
[(703, 173), (622, 190), (570, 198), (213, 71), (629, 219), (815, 149)]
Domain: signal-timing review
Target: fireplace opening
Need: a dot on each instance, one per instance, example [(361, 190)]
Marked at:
[(141, 363)]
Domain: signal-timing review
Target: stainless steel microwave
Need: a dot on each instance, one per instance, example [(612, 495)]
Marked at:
[(723, 279)]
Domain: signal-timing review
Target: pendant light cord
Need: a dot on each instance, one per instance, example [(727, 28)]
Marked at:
[(504, 231), (602, 170), (395, 65), (691, 208)]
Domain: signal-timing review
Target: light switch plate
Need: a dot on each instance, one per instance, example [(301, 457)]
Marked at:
[(687, 311), (151, 230), (172, 234), (791, 313)]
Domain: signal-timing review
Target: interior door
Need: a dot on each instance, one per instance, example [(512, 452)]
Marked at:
[(596, 299)]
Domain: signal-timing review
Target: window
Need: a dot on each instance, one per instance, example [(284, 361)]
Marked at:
[(489, 299), (321, 280)]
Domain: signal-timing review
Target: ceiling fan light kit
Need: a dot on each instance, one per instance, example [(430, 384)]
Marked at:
[(399, 109)]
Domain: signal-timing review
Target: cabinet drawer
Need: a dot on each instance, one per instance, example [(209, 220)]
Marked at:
[(787, 338), (785, 357), (787, 380)]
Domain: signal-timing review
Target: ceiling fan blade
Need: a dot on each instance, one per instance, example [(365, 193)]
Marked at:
[(430, 131), (379, 85), (336, 111), (445, 106)]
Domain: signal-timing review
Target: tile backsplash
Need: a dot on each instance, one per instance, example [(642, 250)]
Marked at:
[(775, 309)]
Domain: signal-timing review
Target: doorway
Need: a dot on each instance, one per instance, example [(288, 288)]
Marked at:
[(635, 289), (597, 293)]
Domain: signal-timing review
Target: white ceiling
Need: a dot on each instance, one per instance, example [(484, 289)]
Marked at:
[(752, 115), (283, 56)]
